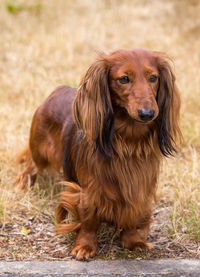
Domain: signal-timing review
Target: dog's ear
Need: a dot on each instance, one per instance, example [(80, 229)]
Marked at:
[(92, 108), (168, 100)]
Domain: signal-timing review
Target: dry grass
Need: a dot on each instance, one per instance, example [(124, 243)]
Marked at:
[(45, 43)]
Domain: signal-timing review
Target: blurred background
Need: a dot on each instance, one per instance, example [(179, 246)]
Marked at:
[(47, 43)]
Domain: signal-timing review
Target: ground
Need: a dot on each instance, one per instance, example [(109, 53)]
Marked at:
[(39, 242)]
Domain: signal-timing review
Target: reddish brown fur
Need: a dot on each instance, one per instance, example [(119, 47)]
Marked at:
[(110, 155)]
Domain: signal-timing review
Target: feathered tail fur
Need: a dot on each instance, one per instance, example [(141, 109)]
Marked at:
[(70, 200)]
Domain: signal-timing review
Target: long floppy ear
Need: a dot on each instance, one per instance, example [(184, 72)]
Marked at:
[(92, 108), (168, 100)]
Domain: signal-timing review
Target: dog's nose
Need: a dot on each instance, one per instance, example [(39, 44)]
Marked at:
[(146, 114)]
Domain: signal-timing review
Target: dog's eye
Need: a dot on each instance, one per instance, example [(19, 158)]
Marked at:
[(153, 78), (124, 79)]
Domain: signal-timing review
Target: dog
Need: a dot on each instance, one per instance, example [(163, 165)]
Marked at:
[(109, 137)]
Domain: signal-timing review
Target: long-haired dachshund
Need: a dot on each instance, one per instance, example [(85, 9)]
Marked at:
[(109, 136)]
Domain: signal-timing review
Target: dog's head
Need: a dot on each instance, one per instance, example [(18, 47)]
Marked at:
[(141, 84)]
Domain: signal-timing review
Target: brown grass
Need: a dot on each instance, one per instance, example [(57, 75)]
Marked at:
[(45, 43)]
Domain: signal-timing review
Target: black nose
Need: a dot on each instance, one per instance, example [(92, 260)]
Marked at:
[(146, 114)]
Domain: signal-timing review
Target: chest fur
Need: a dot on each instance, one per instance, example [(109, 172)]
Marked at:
[(122, 190)]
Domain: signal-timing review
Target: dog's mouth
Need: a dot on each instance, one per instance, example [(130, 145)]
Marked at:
[(142, 121), (145, 122)]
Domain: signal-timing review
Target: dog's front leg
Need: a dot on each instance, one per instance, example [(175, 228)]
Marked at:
[(86, 241)]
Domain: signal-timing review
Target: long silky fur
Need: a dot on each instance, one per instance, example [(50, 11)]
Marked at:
[(126, 199), (69, 201), (168, 101), (92, 108)]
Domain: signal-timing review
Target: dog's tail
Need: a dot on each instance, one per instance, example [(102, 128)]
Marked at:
[(24, 155), (28, 175), (70, 200)]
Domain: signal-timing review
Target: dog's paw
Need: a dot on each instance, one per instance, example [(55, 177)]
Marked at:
[(135, 243), (132, 240), (83, 252), (141, 246)]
